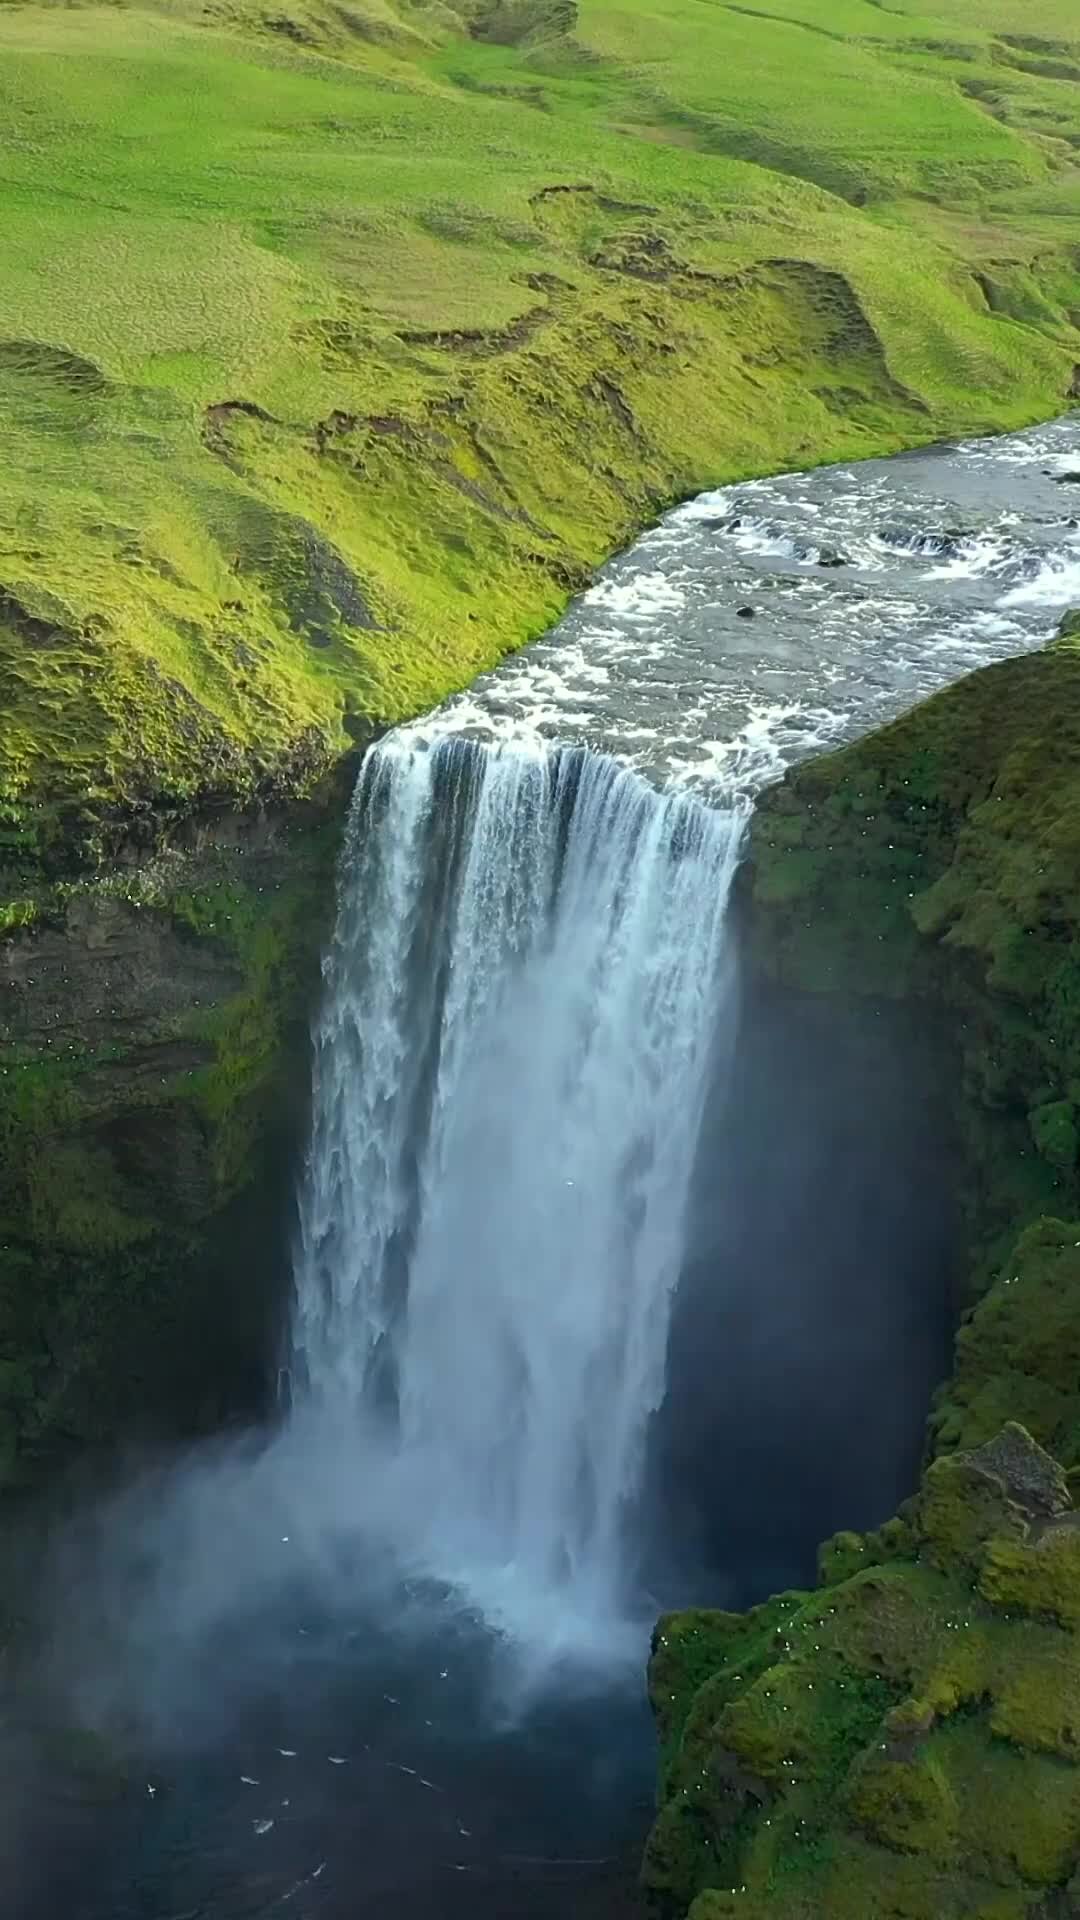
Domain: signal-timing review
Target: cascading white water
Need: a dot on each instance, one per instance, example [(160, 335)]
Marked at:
[(521, 1003)]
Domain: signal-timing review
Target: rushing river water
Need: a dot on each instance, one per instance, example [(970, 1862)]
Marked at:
[(391, 1659), (728, 642)]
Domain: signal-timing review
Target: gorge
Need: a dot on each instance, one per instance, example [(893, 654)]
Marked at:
[(552, 1044), (539, 1093)]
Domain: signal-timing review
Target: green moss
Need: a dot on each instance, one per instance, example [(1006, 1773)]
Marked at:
[(706, 1645), (142, 1166), (849, 1553), (1042, 1580), (846, 1553), (907, 1805), (1054, 1131), (15, 914), (960, 1509), (1038, 1708), (1018, 1354), (938, 860), (269, 932), (911, 1747)]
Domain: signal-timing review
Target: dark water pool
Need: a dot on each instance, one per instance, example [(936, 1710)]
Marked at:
[(383, 1756)]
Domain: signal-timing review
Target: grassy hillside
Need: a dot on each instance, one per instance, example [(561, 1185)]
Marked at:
[(338, 341)]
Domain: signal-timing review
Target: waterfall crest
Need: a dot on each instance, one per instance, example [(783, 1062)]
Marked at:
[(522, 997)]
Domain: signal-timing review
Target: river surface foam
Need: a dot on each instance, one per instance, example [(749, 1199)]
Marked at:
[(766, 621)]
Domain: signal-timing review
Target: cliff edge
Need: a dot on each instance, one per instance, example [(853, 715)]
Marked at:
[(905, 1741)]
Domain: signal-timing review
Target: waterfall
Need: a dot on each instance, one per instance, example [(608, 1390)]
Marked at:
[(522, 999)]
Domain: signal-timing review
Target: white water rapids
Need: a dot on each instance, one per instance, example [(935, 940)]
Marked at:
[(519, 1026)]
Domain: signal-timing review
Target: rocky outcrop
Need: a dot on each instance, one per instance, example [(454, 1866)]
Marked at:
[(153, 1070), (904, 1741)]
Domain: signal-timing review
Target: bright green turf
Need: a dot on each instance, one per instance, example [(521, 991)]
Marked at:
[(797, 232)]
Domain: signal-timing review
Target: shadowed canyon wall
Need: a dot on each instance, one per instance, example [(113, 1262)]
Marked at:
[(154, 1047), (904, 1739)]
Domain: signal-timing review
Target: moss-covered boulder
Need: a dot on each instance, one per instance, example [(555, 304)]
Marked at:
[(903, 1742)]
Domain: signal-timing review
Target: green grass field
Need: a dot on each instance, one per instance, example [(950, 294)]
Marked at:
[(338, 341)]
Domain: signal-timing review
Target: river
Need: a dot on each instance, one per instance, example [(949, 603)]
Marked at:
[(390, 1656)]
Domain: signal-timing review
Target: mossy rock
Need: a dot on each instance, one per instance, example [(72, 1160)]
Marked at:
[(1018, 1352), (952, 827), (906, 1805), (1054, 1131), (154, 1062), (903, 1742)]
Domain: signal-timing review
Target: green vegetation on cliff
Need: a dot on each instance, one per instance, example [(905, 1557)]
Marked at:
[(338, 343), (940, 857), (904, 1744), (154, 1050)]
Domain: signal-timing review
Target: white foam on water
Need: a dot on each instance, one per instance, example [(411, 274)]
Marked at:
[(1042, 446), (706, 506), (971, 558), (768, 541), (1055, 584), (638, 598), (772, 735)]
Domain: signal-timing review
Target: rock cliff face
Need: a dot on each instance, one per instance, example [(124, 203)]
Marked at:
[(905, 1741), (902, 1741), (938, 859), (153, 1072)]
